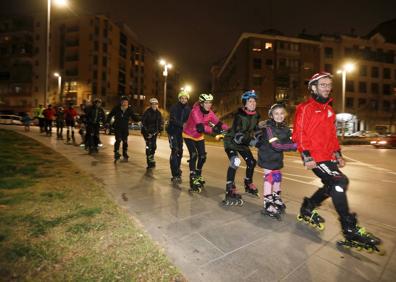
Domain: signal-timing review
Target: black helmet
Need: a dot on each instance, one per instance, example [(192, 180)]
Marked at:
[(124, 98)]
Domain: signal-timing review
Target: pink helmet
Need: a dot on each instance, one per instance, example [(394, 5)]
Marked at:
[(318, 76)]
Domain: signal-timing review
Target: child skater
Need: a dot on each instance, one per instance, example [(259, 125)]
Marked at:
[(273, 139)]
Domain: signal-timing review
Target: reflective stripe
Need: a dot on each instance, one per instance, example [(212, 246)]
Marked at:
[(273, 139)]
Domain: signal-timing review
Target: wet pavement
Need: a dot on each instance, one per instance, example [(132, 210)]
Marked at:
[(209, 242)]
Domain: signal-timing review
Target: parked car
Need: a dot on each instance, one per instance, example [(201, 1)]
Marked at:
[(10, 119), (135, 126), (387, 141), (363, 133)]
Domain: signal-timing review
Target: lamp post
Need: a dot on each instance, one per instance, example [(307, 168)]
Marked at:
[(166, 66), (61, 3), (186, 88), (347, 67), (59, 86)]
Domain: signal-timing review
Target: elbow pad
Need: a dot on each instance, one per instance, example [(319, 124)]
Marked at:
[(200, 128)]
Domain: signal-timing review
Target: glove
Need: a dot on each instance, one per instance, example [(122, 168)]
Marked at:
[(107, 125), (238, 138), (200, 128), (217, 129)]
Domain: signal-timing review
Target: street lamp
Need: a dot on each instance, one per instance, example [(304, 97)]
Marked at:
[(347, 67), (166, 66), (60, 3), (59, 85), (186, 88)]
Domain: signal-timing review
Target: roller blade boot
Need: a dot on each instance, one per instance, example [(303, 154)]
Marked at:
[(310, 215), (357, 237), (232, 198), (278, 202), (195, 184), (200, 178), (117, 157), (251, 188), (125, 157), (150, 162), (270, 208), (176, 180)]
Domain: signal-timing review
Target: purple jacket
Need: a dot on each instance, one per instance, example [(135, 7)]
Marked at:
[(198, 117)]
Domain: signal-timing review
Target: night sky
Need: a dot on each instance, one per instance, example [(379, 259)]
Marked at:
[(195, 34)]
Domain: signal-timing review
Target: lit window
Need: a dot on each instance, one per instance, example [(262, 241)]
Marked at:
[(256, 49), (268, 45)]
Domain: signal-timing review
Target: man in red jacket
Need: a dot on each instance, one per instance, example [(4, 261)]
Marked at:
[(315, 134)]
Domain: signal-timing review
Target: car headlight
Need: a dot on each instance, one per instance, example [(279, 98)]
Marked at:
[(383, 142), (373, 142)]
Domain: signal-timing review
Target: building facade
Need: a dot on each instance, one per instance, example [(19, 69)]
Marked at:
[(278, 67), (21, 50), (99, 58), (275, 66)]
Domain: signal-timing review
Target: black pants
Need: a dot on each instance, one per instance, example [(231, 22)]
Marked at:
[(250, 164), (92, 136), (59, 128), (48, 127), (151, 146), (335, 186), (176, 146), (121, 135), (41, 124), (70, 129), (196, 149)]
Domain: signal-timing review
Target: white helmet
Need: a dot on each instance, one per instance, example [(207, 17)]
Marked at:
[(153, 101)]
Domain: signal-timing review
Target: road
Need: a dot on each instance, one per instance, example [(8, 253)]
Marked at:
[(209, 242)]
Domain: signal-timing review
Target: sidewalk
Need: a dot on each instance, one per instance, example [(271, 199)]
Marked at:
[(208, 242)]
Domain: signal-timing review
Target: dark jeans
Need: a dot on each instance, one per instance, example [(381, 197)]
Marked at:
[(176, 146), (92, 135), (151, 146), (48, 127), (59, 128), (121, 135), (41, 124)]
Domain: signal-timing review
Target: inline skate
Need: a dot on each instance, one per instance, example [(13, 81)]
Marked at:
[(278, 201), (232, 198), (251, 188), (356, 236), (310, 215), (117, 157), (270, 208), (195, 184)]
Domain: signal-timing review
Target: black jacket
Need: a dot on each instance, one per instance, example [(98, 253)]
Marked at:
[(121, 118), (273, 140), (95, 115), (152, 122), (178, 116)]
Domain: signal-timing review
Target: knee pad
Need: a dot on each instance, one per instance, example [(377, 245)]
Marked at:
[(340, 184), (276, 175), (235, 162)]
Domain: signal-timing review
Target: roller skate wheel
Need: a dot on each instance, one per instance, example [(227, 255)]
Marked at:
[(321, 226), (299, 217), (241, 202), (370, 250), (359, 248)]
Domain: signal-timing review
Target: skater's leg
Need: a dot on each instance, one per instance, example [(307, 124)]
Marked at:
[(268, 182), (250, 187), (192, 150), (125, 145), (174, 156), (235, 162)]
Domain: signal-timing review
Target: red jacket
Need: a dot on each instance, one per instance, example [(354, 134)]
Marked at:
[(49, 114), (314, 130)]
